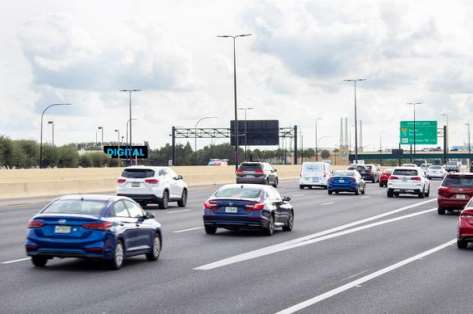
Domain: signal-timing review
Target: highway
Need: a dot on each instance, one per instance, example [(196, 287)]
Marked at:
[(347, 254)]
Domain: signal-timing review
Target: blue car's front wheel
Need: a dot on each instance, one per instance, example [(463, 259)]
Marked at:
[(39, 261), (155, 250)]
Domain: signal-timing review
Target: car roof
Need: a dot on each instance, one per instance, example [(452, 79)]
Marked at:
[(146, 167), (450, 174), (245, 185), (406, 168), (90, 197)]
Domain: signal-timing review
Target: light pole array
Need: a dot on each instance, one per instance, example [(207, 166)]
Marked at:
[(234, 37), (41, 132), (52, 131), (413, 104), (246, 125), (195, 129), (355, 81), (130, 91)]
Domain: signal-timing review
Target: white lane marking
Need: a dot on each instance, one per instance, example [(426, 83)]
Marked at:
[(188, 229), (16, 260), (178, 211), (364, 279), (327, 203), (311, 238)]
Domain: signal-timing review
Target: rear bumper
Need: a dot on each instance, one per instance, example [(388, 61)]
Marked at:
[(406, 190), (311, 182), (342, 188), (445, 203), (142, 197), (235, 221), (255, 180)]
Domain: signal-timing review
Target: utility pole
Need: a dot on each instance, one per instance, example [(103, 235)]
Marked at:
[(355, 81), (101, 129), (237, 130), (129, 91), (246, 125), (317, 139), (52, 131), (413, 104)]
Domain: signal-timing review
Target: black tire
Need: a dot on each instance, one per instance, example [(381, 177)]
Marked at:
[(164, 203), (39, 261), (421, 194), (337, 192), (374, 180), (357, 191), (440, 211), (427, 194), (183, 201), (289, 224), (155, 250), (462, 244), (269, 230), (390, 193), (276, 182), (301, 187), (267, 182), (330, 192), (143, 205), (364, 190), (210, 229), (118, 256), (380, 185)]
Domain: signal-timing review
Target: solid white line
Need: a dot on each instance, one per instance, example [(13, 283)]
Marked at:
[(16, 260), (313, 238), (327, 203), (178, 211), (358, 282), (188, 229)]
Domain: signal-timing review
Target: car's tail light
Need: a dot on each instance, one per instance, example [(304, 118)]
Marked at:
[(239, 171), (393, 178), (105, 225), (97, 250), (256, 206), (467, 213), (259, 171), (444, 191), (152, 181), (415, 178), (210, 205), (35, 223), (121, 180)]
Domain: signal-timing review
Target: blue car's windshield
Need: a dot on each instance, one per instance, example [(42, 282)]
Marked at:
[(238, 192), (82, 207)]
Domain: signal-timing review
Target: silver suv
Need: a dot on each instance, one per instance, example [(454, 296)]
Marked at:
[(257, 173)]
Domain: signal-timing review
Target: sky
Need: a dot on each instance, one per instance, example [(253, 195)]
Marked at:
[(292, 68)]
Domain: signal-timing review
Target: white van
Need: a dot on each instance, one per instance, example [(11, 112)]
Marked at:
[(315, 174)]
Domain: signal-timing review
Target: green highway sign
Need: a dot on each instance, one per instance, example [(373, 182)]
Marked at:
[(426, 132)]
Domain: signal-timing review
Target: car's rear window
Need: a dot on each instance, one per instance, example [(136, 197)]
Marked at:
[(82, 207), (405, 172), (238, 192), (435, 167), (343, 173), (458, 180), (312, 168), (138, 173), (250, 167)]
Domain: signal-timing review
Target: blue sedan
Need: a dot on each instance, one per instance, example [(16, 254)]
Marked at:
[(346, 181), (105, 227), (248, 206)]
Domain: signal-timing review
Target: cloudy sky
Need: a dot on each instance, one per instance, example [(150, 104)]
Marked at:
[(291, 69)]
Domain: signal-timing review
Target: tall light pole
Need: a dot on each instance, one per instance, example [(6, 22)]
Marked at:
[(234, 37), (130, 91), (355, 81), (195, 129), (316, 139), (413, 104), (41, 132), (101, 129), (127, 129), (118, 136), (246, 125), (469, 137), (52, 131), (446, 123)]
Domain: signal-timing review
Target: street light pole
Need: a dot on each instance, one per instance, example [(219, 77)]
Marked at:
[(127, 123), (101, 129), (195, 129), (130, 91), (41, 132), (246, 125), (234, 37), (355, 81), (52, 131), (118, 136), (446, 121), (316, 139), (414, 106), (469, 137)]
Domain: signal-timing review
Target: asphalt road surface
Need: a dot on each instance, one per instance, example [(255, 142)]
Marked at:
[(346, 254)]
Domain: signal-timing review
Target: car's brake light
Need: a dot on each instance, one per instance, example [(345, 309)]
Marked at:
[(210, 205), (393, 178), (121, 180), (416, 178), (105, 225), (259, 171), (239, 171), (35, 223), (152, 181), (444, 191), (467, 213), (256, 206)]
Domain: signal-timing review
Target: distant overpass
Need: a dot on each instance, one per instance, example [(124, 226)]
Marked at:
[(408, 156)]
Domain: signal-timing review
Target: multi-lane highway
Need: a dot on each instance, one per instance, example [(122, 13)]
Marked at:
[(347, 254)]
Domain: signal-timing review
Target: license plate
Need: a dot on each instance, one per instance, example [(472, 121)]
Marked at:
[(315, 179), (135, 184), (460, 196), (249, 176), (404, 179), (62, 229), (341, 181), (231, 210)]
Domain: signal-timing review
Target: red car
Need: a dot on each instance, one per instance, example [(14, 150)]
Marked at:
[(383, 179), (465, 226), (454, 192)]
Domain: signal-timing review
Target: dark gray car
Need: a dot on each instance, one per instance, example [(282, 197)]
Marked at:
[(257, 173)]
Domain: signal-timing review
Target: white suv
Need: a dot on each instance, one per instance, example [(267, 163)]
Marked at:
[(146, 185), (408, 180)]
